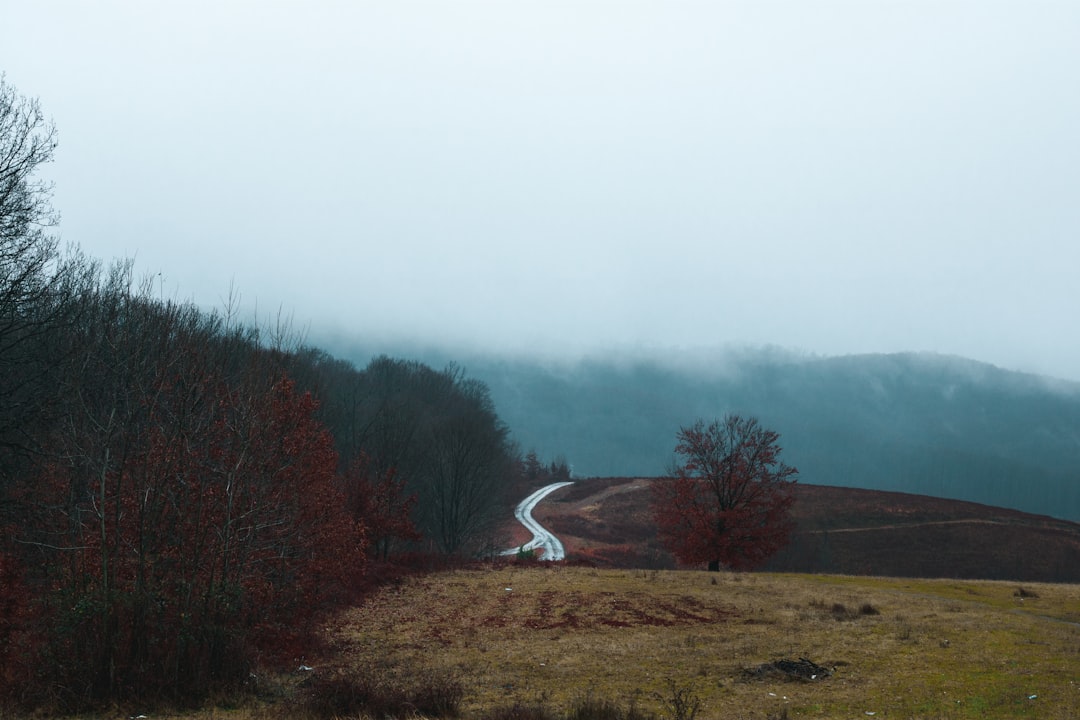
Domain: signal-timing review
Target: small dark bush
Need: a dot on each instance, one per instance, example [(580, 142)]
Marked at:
[(589, 708), (868, 609), (1022, 592), (438, 695), (384, 694), (681, 702), (586, 708), (517, 711)]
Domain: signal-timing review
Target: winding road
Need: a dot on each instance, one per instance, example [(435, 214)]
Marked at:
[(549, 546)]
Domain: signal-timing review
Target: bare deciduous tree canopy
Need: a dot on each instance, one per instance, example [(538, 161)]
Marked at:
[(728, 503)]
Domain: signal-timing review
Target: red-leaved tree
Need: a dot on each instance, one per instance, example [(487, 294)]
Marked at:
[(379, 504), (729, 501), (216, 543)]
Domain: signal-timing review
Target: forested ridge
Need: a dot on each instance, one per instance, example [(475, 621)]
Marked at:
[(178, 497), (184, 496), (910, 422), (917, 423)]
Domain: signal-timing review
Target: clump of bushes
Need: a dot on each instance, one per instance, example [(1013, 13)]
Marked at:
[(585, 708), (841, 612), (380, 693)]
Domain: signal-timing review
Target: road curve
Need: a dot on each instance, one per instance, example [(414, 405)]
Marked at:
[(549, 546)]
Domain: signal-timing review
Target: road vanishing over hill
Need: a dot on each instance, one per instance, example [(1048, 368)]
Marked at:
[(549, 546)]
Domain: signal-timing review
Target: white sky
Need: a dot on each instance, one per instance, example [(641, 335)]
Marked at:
[(559, 177)]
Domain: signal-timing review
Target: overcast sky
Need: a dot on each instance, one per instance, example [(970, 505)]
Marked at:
[(561, 177)]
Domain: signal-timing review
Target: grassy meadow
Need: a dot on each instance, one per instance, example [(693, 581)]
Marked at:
[(551, 637), (901, 648)]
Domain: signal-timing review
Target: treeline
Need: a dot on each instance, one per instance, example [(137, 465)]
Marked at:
[(178, 500), (183, 496)]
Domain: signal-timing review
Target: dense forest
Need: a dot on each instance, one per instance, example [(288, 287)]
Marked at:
[(182, 496)]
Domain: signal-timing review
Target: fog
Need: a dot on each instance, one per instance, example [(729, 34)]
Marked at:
[(561, 178)]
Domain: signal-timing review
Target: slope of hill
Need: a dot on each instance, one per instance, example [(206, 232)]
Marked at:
[(910, 422), (839, 530), (914, 423)]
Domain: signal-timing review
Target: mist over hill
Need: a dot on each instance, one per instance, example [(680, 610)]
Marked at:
[(911, 422)]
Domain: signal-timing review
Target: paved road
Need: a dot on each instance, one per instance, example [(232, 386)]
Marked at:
[(549, 546)]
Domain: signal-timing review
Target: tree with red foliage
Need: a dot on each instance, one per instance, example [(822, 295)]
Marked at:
[(192, 523), (729, 501), (379, 504), (219, 542)]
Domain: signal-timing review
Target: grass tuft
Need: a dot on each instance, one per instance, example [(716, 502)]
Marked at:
[(866, 609), (383, 693)]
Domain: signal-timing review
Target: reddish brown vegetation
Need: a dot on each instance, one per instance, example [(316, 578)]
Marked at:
[(172, 509), (862, 532), (380, 505), (840, 530), (192, 555), (728, 505)]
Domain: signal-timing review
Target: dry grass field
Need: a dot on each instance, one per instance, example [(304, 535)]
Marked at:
[(552, 636), (900, 648)]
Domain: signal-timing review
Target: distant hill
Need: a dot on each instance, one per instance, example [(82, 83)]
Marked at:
[(912, 422), (839, 530), (917, 423)]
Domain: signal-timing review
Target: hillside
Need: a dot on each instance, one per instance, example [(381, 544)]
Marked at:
[(839, 530), (915, 423), (909, 422)]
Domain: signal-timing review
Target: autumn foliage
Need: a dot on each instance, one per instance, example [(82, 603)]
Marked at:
[(211, 544), (184, 498), (379, 502), (184, 518), (729, 501)]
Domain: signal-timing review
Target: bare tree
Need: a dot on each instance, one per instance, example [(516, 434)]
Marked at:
[(36, 284), (728, 503), (27, 141), (468, 466)]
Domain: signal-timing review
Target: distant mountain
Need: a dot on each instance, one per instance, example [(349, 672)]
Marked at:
[(918, 423)]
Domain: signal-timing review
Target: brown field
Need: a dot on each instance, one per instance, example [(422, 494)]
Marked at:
[(901, 648), (537, 635), (553, 635)]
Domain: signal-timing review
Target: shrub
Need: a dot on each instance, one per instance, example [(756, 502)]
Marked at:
[(681, 702), (384, 693), (517, 711), (589, 708), (585, 708)]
